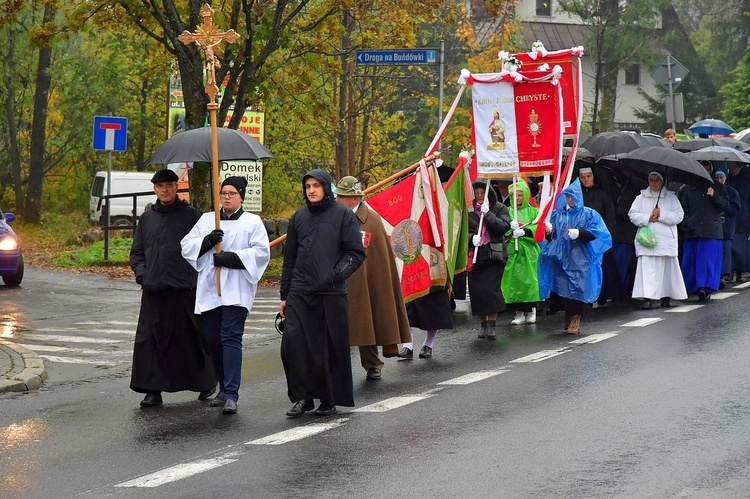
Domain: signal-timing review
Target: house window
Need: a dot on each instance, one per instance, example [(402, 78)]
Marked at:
[(633, 75), (544, 7)]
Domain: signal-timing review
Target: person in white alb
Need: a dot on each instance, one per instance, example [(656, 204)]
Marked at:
[(244, 255)]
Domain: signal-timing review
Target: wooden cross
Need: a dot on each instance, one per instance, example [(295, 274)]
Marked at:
[(208, 37)]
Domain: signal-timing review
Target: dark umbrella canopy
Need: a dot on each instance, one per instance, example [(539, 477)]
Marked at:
[(673, 165), (711, 126), (695, 144), (195, 145), (616, 143), (718, 155)]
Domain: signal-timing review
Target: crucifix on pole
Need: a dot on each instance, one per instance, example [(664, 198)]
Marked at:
[(207, 37)]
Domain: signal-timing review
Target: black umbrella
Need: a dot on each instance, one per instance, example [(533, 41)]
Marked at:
[(695, 144), (672, 165), (615, 142), (195, 145), (720, 155)]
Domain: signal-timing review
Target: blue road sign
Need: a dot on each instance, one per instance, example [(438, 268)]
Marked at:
[(110, 133), (399, 57)]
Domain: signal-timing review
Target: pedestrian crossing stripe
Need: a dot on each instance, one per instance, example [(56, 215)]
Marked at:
[(722, 295), (80, 330), (75, 360), (298, 433), (106, 323), (684, 308), (473, 377), (642, 322), (178, 472), (594, 338), (542, 355), (56, 349), (742, 286), (68, 339)]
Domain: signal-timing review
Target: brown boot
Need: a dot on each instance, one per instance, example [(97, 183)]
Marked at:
[(567, 322), (575, 324)]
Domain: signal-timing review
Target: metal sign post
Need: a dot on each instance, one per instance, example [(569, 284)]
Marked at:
[(110, 134), (670, 74)]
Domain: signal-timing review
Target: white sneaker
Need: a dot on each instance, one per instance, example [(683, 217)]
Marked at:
[(519, 319), (531, 316)]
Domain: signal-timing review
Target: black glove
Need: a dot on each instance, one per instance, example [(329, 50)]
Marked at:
[(228, 259), (215, 237), (139, 279)]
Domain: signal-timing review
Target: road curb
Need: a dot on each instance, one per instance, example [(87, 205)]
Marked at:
[(25, 369)]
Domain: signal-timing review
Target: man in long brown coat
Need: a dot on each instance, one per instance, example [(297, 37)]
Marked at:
[(377, 315)]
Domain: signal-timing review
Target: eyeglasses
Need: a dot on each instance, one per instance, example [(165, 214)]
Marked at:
[(228, 194)]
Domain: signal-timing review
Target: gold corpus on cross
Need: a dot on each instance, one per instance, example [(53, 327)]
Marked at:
[(208, 37)]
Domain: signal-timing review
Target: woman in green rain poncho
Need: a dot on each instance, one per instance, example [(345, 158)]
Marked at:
[(520, 285)]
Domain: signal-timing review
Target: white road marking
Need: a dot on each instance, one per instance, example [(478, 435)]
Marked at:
[(79, 330), (642, 322), (473, 377), (684, 308), (722, 295), (395, 402), (255, 319), (297, 433), (542, 355), (107, 323), (742, 286), (594, 338), (177, 472), (269, 306), (53, 348), (68, 339), (71, 360)]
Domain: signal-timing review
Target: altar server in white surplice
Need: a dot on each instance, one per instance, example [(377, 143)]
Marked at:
[(243, 259)]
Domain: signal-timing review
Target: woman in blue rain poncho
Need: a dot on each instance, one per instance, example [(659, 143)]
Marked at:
[(570, 265), (520, 286)]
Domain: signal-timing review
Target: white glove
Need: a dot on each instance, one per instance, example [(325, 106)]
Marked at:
[(485, 207), (514, 225), (573, 233), (548, 227), (518, 233), (476, 240)]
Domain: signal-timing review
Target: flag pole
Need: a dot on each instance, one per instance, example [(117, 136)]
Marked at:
[(369, 190)]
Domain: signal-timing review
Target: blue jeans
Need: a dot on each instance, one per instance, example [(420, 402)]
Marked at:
[(223, 328)]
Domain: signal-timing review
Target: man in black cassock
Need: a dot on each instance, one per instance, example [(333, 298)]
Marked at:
[(169, 354)]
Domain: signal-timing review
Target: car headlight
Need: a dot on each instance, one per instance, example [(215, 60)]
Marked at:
[(8, 244)]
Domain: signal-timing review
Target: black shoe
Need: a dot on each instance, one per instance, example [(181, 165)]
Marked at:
[(152, 399), (218, 400), (325, 409), (405, 353), (739, 277), (300, 407), (483, 331), (665, 302), (230, 407), (374, 373), (702, 295), (646, 305), (425, 353), (491, 333), (206, 394)]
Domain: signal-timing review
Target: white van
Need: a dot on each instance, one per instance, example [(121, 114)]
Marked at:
[(121, 211)]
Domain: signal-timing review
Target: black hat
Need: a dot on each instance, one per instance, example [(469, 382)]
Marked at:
[(165, 175), (239, 183)]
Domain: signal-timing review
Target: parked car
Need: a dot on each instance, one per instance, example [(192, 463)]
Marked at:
[(11, 255)]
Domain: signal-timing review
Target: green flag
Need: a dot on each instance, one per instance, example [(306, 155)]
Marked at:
[(458, 223)]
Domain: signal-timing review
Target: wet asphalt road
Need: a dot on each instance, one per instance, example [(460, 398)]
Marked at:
[(642, 404)]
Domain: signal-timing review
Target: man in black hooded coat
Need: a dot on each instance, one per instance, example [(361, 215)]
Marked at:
[(323, 249)]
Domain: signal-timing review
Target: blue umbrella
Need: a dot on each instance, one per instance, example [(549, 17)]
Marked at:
[(711, 127)]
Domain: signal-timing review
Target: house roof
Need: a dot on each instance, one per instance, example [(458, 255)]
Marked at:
[(554, 36)]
